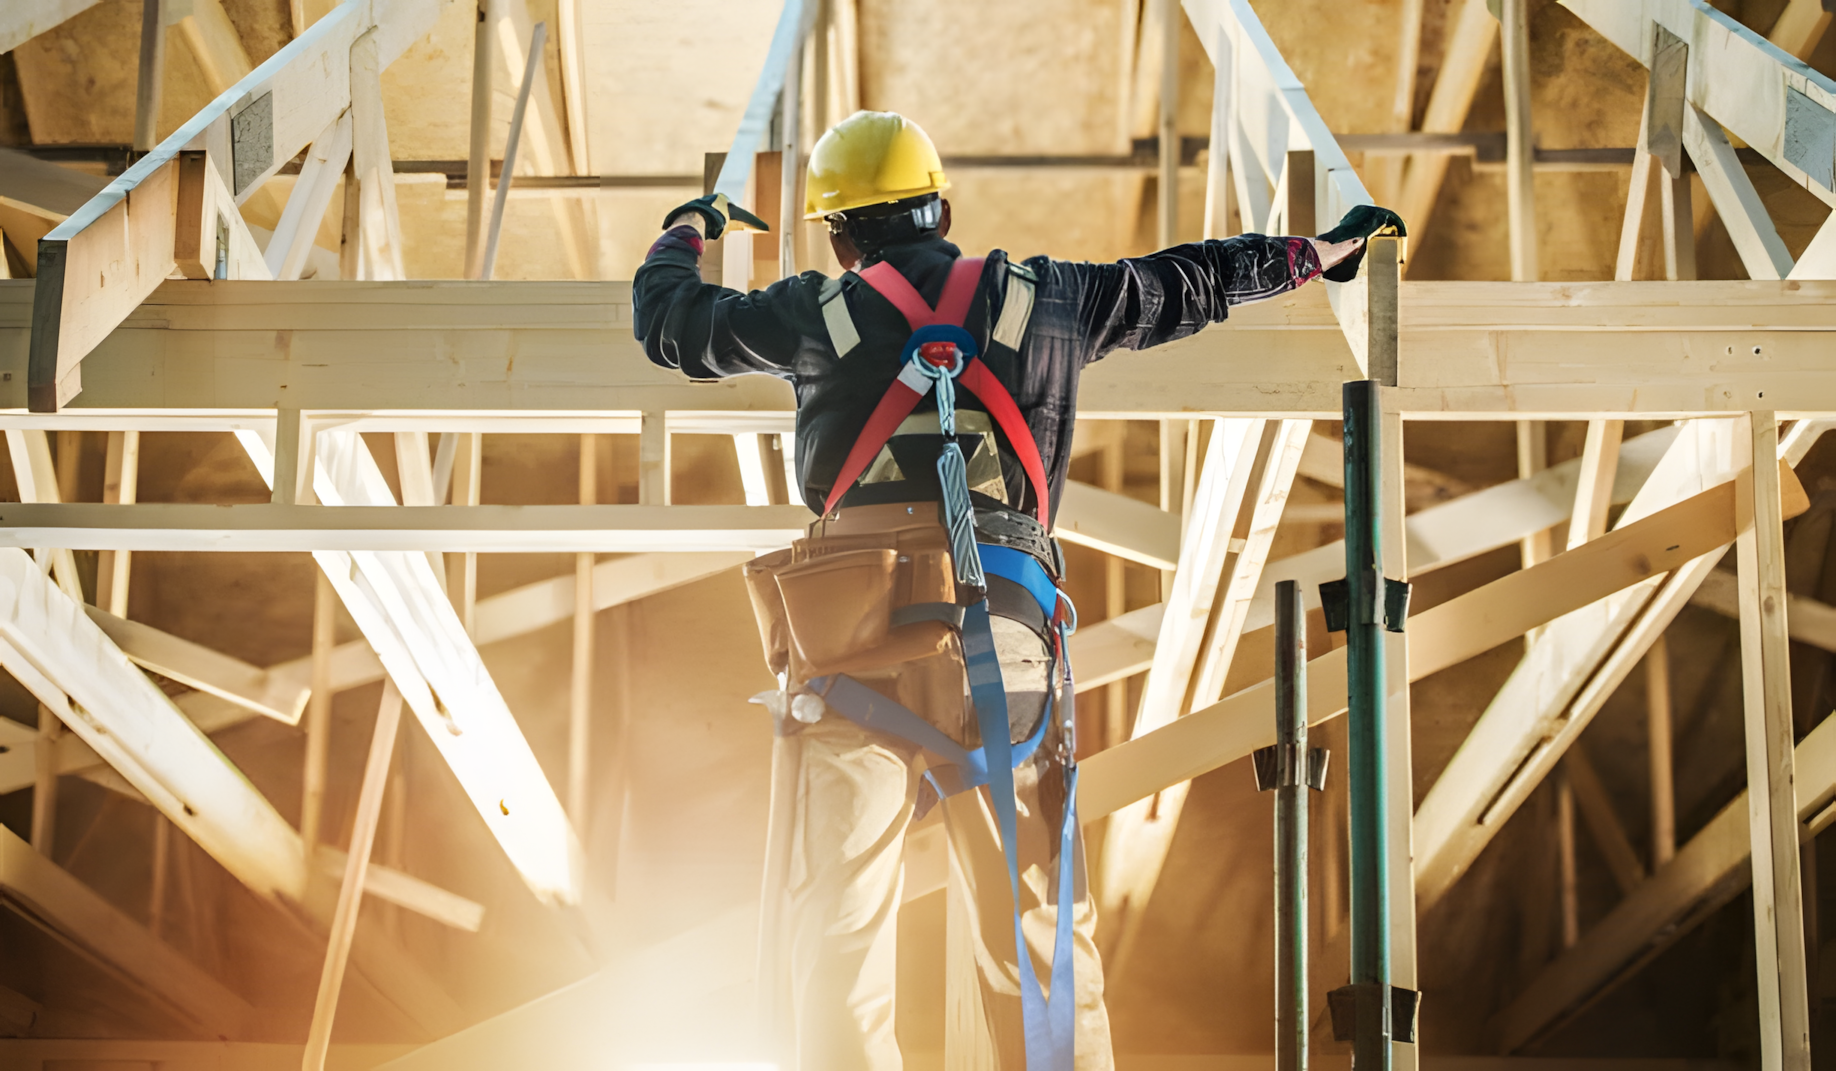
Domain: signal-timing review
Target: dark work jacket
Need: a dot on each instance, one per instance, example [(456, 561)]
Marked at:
[(1081, 312)]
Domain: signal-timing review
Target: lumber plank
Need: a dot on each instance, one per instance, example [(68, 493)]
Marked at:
[(1441, 637)]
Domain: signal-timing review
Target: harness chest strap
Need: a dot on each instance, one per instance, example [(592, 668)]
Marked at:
[(911, 385)]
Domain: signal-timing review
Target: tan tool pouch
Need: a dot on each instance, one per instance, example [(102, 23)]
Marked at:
[(829, 605)]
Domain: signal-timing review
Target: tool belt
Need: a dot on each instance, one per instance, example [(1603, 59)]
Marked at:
[(871, 592)]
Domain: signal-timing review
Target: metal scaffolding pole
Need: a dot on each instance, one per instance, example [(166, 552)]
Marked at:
[(1369, 1012), (1290, 769)]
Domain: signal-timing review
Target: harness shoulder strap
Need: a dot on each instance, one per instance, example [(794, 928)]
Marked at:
[(835, 317), (1017, 308), (952, 307)]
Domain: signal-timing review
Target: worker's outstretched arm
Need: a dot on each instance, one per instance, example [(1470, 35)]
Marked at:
[(710, 331), (1145, 301)]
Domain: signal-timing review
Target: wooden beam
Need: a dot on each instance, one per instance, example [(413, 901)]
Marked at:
[(44, 787), (1658, 735), (1756, 239), (1520, 139), (1800, 27), (98, 265), (150, 77), (50, 898), (1707, 872), (1118, 525), (120, 486), (1446, 635), (1562, 680), (210, 240), (1772, 807), (21, 22), (256, 690), (1597, 810), (1463, 63), (33, 475), (401, 609), (478, 165), (215, 44), (378, 221), (1599, 461), (580, 682), (53, 649), (1477, 351), (312, 194), (468, 529), (1736, 78), (350, 893), (1807, 620)]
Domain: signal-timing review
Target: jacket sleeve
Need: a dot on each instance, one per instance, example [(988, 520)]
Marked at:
[(1145, 301), (708, 331)]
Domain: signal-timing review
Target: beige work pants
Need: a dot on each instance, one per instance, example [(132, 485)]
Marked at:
[(850, 804)]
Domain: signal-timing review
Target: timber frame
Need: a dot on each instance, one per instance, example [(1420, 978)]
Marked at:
[(106, 339)]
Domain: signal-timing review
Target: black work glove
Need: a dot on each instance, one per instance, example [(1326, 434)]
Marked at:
[(1364, 221), (717, 211)]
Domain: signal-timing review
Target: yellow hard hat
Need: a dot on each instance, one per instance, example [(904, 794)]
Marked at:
[(871, 158)]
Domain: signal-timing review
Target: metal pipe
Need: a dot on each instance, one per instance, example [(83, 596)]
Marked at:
[(1291, 1017), (530, 70), (1370, 898)]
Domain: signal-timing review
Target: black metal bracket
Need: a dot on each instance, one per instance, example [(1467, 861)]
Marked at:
[(1335, 600), (1395, 603), (1395, 1017), (1278, 766)]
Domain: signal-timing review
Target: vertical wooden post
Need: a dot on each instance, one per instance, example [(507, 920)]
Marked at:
[(1115, 578), (790, 125), (468, 457), (478, 165), (350, 893), (1679, 227), (162, 851), (1223, 122), (1520, 140), (121, 486), (1658, 732), (1594, 488), (580, 694), (44, 786), (1565, 858), (653, 459), (1532, 458), (1299, 217), (379, 225), (151, 75), (350, 231), (318, 712), (1399, 800), (1172, 19), (1772, 808)]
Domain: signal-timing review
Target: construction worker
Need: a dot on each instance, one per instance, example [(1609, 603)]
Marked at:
[(922, 619)]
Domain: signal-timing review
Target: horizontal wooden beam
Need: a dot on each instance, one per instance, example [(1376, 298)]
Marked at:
[(22, 20), (51, 899), (1446, 635), (107, 257), (1471, 351), (1117, 524), (1806, 619), (480, 529)]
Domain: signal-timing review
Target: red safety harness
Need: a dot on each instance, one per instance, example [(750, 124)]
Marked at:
[(906, 391)]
